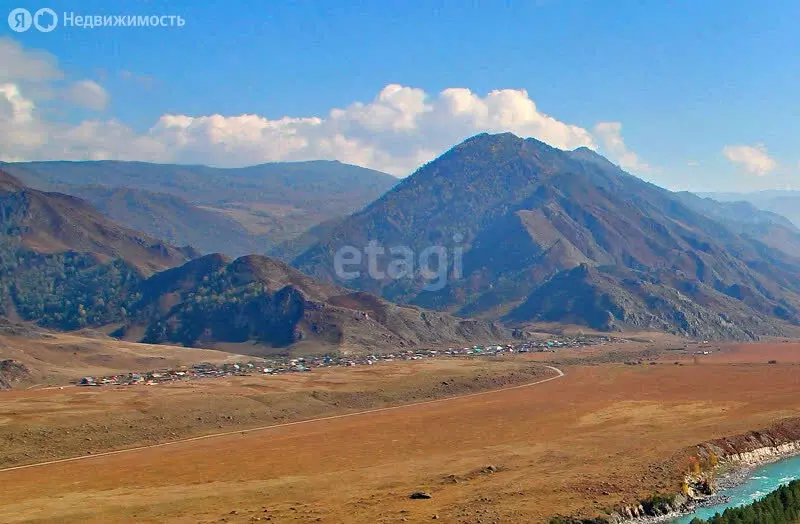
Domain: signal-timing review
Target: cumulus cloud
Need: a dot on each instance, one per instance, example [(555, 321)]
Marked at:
[(22, 65), (753, 159), (610, 136), (398, 130), (88, 94)]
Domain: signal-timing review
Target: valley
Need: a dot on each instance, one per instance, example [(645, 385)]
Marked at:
[(601, 330), (519, 454), (396, 262)]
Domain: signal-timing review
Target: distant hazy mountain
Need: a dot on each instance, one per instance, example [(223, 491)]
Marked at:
[(771, 228), (271, 203), (174, 220), (289, 249), (551, 235), (785, 203)]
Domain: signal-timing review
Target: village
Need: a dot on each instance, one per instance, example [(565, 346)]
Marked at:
[(280, 365)]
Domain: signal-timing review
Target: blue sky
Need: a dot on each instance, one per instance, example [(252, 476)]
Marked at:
[(683, 81)]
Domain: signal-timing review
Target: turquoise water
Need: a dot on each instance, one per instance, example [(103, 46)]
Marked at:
[(760, 482)]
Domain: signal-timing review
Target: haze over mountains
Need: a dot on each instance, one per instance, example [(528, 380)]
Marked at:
[(774, 229), (233, 211), (532, 235), (781, 202)]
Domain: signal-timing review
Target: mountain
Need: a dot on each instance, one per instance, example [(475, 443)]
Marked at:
[(782, 202), (515, 218), (174, 219), (769, 227), (52, 223), (64, 264), (258, 305), (610, 299), (289, 249), (275, 201)]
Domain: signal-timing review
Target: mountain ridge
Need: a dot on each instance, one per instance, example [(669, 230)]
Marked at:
[(554, 210), (260, 305), (64, 265), (233, 210)]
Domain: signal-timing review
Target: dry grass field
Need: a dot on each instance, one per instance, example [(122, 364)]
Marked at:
[(605, 433), (58, 358)]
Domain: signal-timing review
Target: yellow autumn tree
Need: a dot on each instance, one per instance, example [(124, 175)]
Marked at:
[(695, 468)]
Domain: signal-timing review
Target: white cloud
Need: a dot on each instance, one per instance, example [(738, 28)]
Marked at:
[(610, 135), (399, 130), (402, 128), (692, 163), (88, 94), (21, 65), (754, 159)]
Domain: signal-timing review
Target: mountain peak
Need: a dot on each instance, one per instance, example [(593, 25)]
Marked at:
[(585, 154), (488, 139)]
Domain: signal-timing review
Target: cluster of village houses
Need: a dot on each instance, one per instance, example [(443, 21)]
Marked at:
[(279, 365)]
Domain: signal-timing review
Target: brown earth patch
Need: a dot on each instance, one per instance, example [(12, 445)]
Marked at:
[(605, 434)]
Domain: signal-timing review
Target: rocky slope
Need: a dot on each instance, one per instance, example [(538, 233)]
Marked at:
[(705, 462), (526, 215), (12, 373), (268, 305)]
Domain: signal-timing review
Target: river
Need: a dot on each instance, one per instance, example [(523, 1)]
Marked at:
[(760, 482)]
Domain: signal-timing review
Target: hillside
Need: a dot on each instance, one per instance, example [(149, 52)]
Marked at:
[(28, 357), (67, 266), (258, 305), (244, 210), (64, 264), (174, 220), (57, 223), (526, 214), (785, 203), (745, 218)]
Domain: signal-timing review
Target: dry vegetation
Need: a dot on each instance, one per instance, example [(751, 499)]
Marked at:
[(54, 359), (612, 430), (38, 425)]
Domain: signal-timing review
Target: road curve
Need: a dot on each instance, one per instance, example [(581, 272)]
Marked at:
[(560, 374)]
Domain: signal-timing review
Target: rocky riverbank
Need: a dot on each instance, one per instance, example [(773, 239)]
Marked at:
[(714, 467)]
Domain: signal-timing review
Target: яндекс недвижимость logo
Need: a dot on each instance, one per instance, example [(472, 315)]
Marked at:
[(44, 20)]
